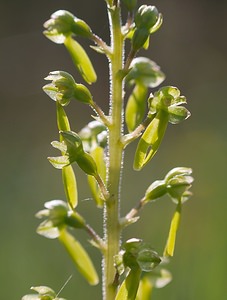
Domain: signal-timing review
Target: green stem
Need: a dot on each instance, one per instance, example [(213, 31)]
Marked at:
[(111, 212)]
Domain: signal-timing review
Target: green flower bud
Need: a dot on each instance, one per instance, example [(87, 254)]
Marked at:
[(45, 293), (178, 114), (139, 38), (145, 72), (93, 135), (177, 186), (87, 164), (63, 89), (75, 220), (168, 99), (178, 171), (62, 24), (82, 94), (131, 248), (57, 212), (178, 181), (74, 145), (156, 190), (58, 26), (146, 17), (148, 259), (137, 253)]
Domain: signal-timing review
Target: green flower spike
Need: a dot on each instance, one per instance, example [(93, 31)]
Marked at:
[(144, 73), (63, 89), (163, 108)]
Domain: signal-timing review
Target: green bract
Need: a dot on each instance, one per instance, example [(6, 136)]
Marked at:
[(81, 60), (64, 89), (157, 279), (79, 256), (150, 140), (62, 24)]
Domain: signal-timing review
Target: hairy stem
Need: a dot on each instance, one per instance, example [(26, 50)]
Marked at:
[(111, 214)]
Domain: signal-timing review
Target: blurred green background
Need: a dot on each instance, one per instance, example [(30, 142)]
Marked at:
[(191, 48)]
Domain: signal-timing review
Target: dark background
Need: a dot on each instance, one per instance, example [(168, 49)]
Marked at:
[(191, 48)]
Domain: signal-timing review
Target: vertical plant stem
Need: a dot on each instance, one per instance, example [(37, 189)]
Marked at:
[(111, 215)]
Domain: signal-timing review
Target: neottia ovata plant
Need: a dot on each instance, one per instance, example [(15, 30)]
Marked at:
[(130, 268)]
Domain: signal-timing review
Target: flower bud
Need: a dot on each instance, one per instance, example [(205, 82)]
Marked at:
[(156, 190), (178, 186), (148, 259), (87, 164), (58, 26), (45, 293), (82, 94), (145, 72), (146, 17), (178, 171), (74, 145), (62, 24), (139, 38), (178, 114), (64, 89), (137, 253), (168, 99), (178, 181), (75, 220), (57, 212), (93, 135)]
